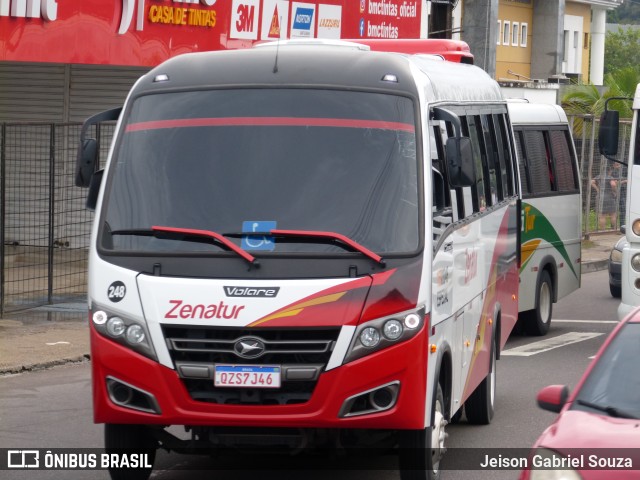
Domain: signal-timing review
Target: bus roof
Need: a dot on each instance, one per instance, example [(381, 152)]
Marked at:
[(324, 66), (452, 50), (524, 113)]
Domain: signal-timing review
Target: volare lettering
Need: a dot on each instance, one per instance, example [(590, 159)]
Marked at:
[(268, 292), (45, 9), (220, 311)]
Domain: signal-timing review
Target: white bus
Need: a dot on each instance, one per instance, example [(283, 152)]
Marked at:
[(302, 244), (608, 143), (551, 211)]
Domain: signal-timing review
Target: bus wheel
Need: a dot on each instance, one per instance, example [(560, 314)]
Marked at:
[(538, 320), (479, 407), (421, 450), (127, 440)]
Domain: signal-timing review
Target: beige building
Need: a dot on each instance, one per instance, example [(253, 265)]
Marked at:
[(536, 39)]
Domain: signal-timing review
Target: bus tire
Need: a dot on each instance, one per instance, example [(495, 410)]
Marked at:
[(421, 450), (538, 320), (130, 439), (480, 405), (616, 291)]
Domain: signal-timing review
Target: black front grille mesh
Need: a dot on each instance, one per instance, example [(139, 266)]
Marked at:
[(195, 345)]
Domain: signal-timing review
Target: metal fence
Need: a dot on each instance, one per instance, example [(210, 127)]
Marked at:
[(601, 212), (44, 227)]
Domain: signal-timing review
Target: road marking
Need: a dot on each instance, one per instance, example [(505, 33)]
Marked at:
[(58, 343), (585, 321), (549, 344)]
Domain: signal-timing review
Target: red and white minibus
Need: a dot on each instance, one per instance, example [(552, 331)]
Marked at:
[(304, 241)]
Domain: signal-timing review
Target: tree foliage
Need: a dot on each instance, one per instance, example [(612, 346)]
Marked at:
[(622, 50), (627, 13), (587, 99)]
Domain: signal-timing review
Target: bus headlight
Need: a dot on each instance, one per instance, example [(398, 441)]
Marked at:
[(635, 262), (135, 334), (392, 329), (370, 337), (125, 331), (384, 332), (635, 227), (115, 326)]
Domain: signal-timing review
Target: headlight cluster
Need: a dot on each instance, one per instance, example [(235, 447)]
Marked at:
[(384, 332), (126, 332), (616, 256), (635, 227)]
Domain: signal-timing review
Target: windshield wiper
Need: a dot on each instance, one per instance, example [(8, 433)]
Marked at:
[(329, 236), (184, 234), (609, 410)]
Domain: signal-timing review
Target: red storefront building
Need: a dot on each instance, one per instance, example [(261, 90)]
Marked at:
[(62, 60)]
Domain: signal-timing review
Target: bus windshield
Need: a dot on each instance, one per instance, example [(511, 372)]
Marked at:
[(255, 160)]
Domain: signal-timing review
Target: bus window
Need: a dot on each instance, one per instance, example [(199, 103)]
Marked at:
[(501, 127), (524, 171), (566, 177), (470, 126), (492, 164), (538, 163)]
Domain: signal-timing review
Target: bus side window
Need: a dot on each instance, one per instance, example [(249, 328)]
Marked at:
[(493, 163), (535, 152), (470, 124), (508, 154), (522, 163), (565, 171)]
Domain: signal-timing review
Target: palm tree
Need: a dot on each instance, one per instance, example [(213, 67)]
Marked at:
[(587, 100)]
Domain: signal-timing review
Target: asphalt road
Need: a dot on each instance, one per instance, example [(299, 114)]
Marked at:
[(52, 408)]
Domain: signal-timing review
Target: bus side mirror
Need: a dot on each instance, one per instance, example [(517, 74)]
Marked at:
[(86, 162), (608, 134), (460, 165), (87, 158)]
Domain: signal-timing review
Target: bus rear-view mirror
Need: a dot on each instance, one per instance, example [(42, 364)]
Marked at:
[(460, 162), (608, 134), (86, 162)]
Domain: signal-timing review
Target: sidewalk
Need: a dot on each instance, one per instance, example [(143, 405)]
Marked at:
[(58, 334)]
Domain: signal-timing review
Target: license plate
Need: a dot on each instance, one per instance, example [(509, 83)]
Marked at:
[(247, 376)]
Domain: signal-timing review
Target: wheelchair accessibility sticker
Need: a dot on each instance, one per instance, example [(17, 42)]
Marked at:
[(258, 242)]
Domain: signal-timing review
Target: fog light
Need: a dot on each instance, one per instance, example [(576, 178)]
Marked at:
[(412, 321), (635, 227), (370, 337), (635, 262), (135, 334), (392, 329), (115, 326), (637, 283), (100, 317)]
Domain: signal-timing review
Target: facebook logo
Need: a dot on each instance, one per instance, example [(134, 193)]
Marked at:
[(362, 27)]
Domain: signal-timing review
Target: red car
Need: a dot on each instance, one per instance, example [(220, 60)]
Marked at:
[(597, 434)]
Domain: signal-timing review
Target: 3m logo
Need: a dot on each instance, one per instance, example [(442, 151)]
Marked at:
[(260, 292), (244, 19)]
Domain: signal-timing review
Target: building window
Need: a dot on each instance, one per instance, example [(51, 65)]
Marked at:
[(499, 30), (524, 33), (506, 33), (515, 34), (586, 41)]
